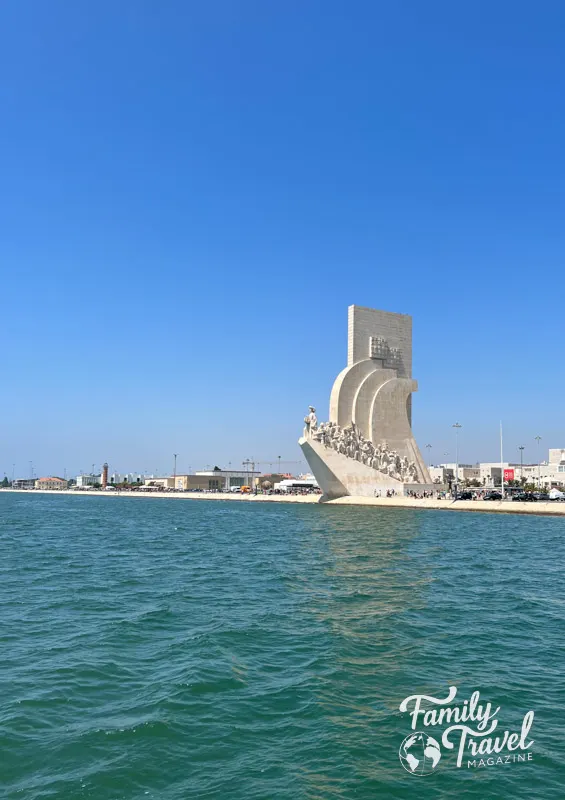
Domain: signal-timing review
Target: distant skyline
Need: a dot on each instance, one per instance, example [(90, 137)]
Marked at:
[(193, 194)]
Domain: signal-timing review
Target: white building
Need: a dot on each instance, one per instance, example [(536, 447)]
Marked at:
[(545, 474), (127, 477), (557, 456), (226, 478), (491, 472), (488, 473), (548, 473), (88, 480), (447, 473)]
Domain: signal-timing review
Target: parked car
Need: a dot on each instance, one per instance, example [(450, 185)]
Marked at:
[(465, 496), (555, 494), (492, 496), (525, 497), (541, 496)]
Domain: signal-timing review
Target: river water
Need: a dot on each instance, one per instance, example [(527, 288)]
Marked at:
[(170, 649)]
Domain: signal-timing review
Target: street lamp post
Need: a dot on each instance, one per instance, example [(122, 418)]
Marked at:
[(457, 426), (521, 449), (428, 448), (538, 440), (175, 471)]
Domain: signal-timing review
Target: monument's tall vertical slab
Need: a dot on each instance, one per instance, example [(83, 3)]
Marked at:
[(367, 443), (367, 324)]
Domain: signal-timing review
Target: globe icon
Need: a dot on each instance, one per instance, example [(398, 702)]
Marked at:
[(419, 754)]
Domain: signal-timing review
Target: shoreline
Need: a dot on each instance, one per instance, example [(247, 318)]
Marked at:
[(555, 508)]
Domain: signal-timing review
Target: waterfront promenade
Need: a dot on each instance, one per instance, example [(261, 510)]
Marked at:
[(549, 508)]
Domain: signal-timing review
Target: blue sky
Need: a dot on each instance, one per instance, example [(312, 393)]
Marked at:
[(193, 193)]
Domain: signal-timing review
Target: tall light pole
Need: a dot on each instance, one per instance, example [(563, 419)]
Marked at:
[(175, 471), (457, 426), (279, 458), (521, 449), (249, 462), (538, 440), (501, 464), (445, 457), (428, 448)]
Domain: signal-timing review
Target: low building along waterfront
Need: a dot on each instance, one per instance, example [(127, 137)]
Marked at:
[(218, 480), (51, 483)]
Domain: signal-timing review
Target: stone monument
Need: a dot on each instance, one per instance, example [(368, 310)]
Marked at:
[(367, 448)]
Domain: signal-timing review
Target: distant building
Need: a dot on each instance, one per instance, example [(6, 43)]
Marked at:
[(272, 478), (51, 483), (88, 480), (127, 477), (557, 456), (164, 483), (23, 483), (212, 480), (548, 473), (489, 473), (447, 473), (440, 474), (523, 473), (185, 483), (193, 482), (226, 478)]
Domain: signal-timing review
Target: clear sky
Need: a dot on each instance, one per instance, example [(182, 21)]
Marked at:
[(193, 193)]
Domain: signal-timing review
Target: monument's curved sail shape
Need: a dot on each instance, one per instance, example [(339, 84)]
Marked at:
[(367, 446), (345, 388), (364, 396)]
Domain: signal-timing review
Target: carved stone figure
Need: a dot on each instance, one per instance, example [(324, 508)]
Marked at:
[(350, 442), (310, 422)]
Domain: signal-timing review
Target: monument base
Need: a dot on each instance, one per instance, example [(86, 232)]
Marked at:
[(339, 475)]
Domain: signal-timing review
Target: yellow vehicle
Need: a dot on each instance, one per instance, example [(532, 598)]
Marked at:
[(245, 489)]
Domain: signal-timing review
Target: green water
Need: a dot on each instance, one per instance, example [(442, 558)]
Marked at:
[(188, 649)]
